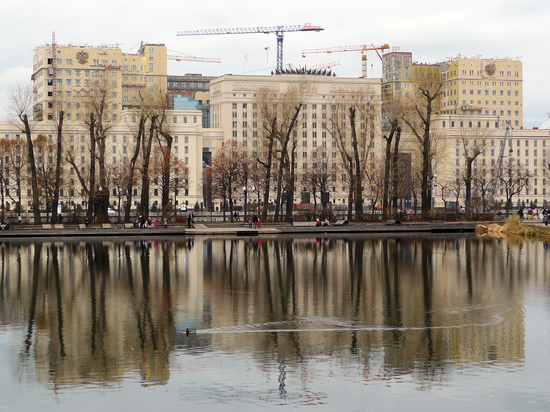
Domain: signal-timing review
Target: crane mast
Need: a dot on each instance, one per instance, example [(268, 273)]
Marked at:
[(362, 48), (278, 30)]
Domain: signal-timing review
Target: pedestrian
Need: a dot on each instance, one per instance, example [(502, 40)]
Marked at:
[(155, 222), (235, 216), (86, 222), (255, 222), (250, 221), (189, 220), (166, 223), (410, 214), (259, 224)]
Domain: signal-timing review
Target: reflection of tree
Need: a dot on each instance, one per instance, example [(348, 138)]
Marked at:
[(379, 303), (34, 296)]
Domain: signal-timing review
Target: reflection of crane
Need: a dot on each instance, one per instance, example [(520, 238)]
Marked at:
[(278, 30), (363, 49)]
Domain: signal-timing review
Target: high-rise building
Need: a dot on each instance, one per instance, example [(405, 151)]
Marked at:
[(64, 75), (470, 86), (234, 109)]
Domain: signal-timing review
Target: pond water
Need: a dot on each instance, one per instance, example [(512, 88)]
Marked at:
[(357, 323)]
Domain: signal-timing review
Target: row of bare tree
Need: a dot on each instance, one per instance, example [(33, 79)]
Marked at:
[(41, 161)]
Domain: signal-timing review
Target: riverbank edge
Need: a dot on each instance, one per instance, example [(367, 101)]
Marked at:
[(234, 229)]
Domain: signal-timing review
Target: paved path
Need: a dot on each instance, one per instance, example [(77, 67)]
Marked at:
[(234, 229)]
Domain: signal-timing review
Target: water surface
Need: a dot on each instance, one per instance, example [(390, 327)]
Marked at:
[(362, 323)]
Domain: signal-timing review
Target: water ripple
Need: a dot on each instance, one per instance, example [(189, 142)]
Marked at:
[(337, 325)]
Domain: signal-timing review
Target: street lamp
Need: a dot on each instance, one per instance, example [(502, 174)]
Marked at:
[(433, 184), (244, 190)]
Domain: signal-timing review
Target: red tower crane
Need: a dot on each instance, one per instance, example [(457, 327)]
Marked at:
[(362, 48), (278, 30)]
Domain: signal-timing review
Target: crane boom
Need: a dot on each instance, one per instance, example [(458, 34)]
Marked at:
[(278, 30), (362, 48), (193, 59)]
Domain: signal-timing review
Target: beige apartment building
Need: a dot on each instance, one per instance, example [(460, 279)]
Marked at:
[(64, 75), (524, 150), (233, 110), (481, 104), (184, 125), (471, 86)]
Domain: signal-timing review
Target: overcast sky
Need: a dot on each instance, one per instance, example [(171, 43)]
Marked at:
[(432, 30)]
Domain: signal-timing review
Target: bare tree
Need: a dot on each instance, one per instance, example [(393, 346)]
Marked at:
[(169, 183), (472, 145), (15, 153), (20, 107), (352, 125), (318, 175), (278, 113), (513, 180), (226, 168), (418, 116)]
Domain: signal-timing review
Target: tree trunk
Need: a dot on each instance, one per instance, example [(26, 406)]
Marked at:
[(387, 168), (34, 177), (91, 192), (144, 210), (166, 167), (358, 174), (268, 166), (57, 168), (350, 193), (468, 186), (133, 161), (395, 171)]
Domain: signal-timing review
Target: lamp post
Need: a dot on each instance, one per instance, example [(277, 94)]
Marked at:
[(244, 207), (433, 184), (252, 190)]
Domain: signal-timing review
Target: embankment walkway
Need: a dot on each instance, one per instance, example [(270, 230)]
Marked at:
[(230, 229)]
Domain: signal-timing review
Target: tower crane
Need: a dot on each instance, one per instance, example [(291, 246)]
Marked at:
[(278, 30), (187, 58), (329, 65), (362, 48), (497, 173)]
